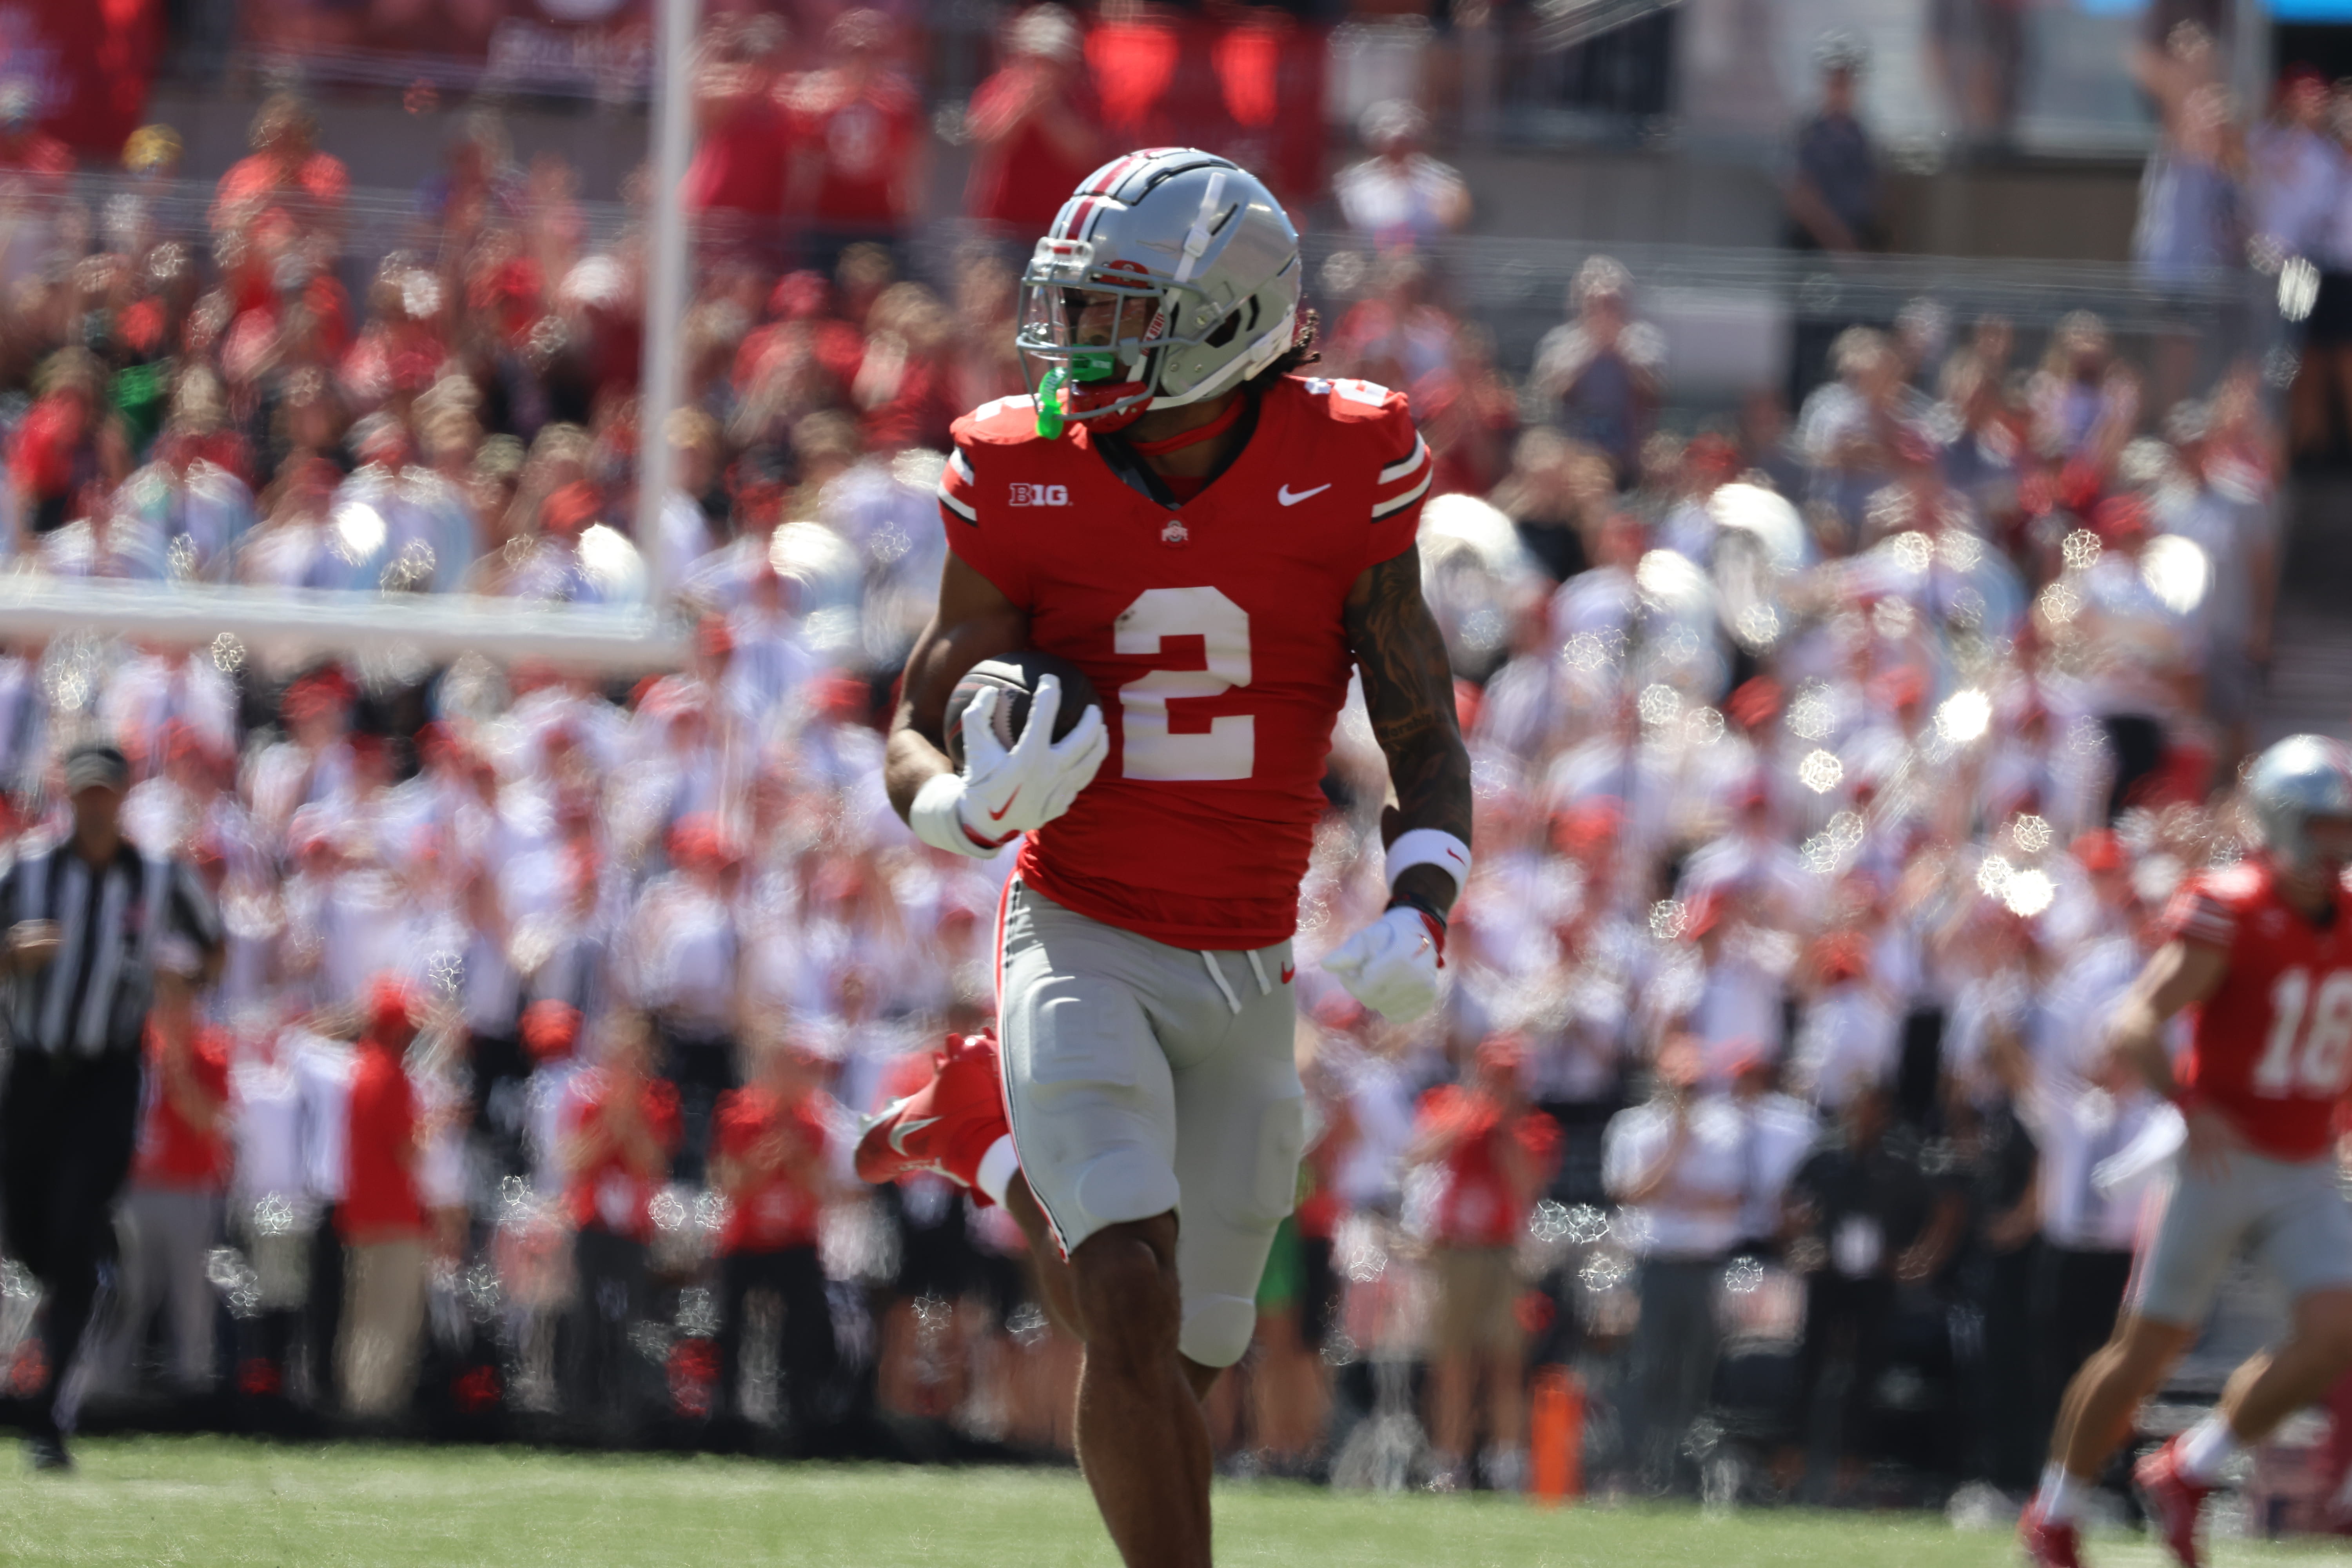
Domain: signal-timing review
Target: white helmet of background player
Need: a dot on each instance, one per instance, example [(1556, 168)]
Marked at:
[(1204, 264), (2299, 778)]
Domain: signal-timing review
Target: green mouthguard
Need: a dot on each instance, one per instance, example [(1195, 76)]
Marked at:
[(1082, 367)]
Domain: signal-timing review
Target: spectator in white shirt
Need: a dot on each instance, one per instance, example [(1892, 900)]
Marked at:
[(1677, 1163), (1848, 1034), (684, 957), (1400, 196), (1781, 1130), (685, 537), (270, 1210), (2077, 1123)]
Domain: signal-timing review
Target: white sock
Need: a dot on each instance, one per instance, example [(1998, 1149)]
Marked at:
[(2062, 1496), (997, 1168), (2207, 1449)]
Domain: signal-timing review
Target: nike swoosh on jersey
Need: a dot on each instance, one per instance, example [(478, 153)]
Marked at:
[(998, 814), (898, 1134), (1288, 498)]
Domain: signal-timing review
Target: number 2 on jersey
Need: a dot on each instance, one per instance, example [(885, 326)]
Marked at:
[(1228, 750), (2306, 1061)]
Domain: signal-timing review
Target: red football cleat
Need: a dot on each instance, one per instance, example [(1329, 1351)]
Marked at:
[(2173, 1502), (945, 1126), (2048, 1545)]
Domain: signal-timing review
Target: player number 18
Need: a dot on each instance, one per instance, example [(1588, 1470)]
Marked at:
[(2307, 1060)]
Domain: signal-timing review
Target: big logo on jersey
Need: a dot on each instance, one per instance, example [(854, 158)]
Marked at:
[(2310, 1042)]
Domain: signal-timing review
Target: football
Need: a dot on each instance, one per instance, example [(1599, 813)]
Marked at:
[(1016, 675)]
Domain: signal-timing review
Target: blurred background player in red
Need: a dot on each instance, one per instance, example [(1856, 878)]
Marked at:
[(1035, 125), (381, 1216), (171, 1217), (857, 129), (1496, 1152), (621, 1128), (772, 1158), (743, 146), (2261, 951)]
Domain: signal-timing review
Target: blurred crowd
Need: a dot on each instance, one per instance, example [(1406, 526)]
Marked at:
[(1833, 763), (2227, 190)]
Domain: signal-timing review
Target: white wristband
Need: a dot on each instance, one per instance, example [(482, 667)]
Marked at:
[(1430, 847), (936, 817)]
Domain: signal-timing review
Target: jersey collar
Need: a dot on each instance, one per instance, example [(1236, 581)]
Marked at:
[(1120, 453)]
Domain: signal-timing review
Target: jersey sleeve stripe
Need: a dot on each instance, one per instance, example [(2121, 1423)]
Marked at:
[(963, 509), (1411, 462), (962, 466), (2200, 918), (1398, 503)]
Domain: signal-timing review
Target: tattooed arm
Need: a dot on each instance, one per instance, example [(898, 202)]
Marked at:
[(1408, 690)]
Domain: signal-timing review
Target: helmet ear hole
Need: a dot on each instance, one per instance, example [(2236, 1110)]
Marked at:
[(1223, 334)]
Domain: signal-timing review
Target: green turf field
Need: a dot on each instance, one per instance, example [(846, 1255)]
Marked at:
[(208, 1502)]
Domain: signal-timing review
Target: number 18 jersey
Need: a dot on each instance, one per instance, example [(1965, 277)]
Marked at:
[(1214, 637), (2272, 1049)]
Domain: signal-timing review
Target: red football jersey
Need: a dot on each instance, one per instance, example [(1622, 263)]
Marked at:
[(172, 1154), (2272, 1049), (775, 1211), (608, 1193), (1212, 633)]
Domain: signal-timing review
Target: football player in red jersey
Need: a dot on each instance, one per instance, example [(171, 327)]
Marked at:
[(1216, 543), (2260, 957)]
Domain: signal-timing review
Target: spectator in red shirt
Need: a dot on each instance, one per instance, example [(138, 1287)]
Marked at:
[(742, 154), (619, 1133), (381, 1217), (173, 1212), (286, 176), (27, 153), (1496, 1152), (1034, 126), (63, 448), (859, 124), (772, 1160)]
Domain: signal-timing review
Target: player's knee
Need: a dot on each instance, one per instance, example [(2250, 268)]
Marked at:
[(1217, 1329), (1126, 1295), (2144, 1350)]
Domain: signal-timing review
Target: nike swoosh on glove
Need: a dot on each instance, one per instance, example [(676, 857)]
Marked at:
[(1391, 966), (1021, 790)]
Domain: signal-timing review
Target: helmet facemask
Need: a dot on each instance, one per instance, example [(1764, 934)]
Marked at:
[(1090, 336)]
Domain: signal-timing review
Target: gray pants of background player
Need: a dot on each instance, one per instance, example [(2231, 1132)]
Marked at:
[(167, 1235), (2291, 1216), (1143, 1078)]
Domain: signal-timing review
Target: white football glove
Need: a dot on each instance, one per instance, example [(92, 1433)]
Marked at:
[(1391, 966), (1003, 793)]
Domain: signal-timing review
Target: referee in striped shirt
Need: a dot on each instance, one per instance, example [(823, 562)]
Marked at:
[(88, 922)]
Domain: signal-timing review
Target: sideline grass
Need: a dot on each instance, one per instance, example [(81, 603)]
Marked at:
[(215, 1501)]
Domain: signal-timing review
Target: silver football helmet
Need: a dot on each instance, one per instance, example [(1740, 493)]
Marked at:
[(1187, 262), (2299, 778)]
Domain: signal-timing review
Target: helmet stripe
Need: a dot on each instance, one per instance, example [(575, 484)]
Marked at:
[(1112, 175)]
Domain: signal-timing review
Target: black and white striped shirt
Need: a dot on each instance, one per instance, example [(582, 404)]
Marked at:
[(92, 994)]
